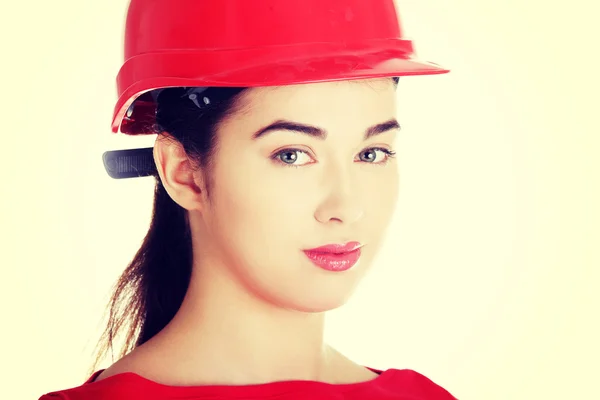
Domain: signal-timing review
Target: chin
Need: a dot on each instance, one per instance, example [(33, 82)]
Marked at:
[(315, 302), (319, 308)]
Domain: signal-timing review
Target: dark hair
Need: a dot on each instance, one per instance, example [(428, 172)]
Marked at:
[(152, 288)]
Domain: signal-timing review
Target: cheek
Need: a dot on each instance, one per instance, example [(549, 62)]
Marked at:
[(380, 193), (256, 211), (379, 197), (259, 226)]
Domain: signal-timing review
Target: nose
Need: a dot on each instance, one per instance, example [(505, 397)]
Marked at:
[(342, 201)]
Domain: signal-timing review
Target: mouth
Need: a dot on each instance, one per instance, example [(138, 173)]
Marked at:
[(335, 257), (336, 248)]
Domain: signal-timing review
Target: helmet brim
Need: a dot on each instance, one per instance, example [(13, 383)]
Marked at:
[(309, 63)]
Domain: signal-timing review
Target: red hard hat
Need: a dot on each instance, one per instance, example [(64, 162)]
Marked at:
[(248, 43)]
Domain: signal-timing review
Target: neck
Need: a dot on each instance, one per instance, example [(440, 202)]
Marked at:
[(225, 333)]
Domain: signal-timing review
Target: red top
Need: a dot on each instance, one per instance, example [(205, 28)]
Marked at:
[(391, 384)]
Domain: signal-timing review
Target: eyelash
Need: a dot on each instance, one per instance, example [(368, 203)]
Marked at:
[(387, 152)]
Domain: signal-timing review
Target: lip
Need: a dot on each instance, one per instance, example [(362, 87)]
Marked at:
[(336, 248), (335, 257)]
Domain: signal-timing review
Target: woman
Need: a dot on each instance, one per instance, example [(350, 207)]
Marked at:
[(276, 180)]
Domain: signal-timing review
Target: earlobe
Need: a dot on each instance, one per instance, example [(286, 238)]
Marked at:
[(176, 172)]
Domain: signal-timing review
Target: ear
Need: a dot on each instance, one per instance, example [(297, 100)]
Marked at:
[(182, 183)]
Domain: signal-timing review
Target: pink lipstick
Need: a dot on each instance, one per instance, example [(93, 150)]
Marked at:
[(335, 257)]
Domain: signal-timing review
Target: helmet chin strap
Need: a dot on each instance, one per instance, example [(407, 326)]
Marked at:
[(131, 163), (135, 163)]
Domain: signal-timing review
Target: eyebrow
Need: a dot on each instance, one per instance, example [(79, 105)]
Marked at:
[(320, 133)]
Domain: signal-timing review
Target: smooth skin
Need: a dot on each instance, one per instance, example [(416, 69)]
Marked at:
[(254, 310)]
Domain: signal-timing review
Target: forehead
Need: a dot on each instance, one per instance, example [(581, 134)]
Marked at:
[(360, 102)]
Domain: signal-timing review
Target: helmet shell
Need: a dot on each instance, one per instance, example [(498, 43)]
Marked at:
[(249, 43)]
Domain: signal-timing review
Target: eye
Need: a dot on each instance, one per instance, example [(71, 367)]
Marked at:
[(292, 157), (376, 155)]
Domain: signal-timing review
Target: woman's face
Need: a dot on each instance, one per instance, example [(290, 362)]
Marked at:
[(286, 191)]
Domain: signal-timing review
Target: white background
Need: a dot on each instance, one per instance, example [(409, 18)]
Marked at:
[(488, 283)]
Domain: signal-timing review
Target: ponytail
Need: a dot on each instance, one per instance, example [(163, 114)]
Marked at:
[(151, 289)]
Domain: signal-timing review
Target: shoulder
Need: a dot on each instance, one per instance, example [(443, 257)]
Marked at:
[(419, 385), (53, 396), (116, 387)]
